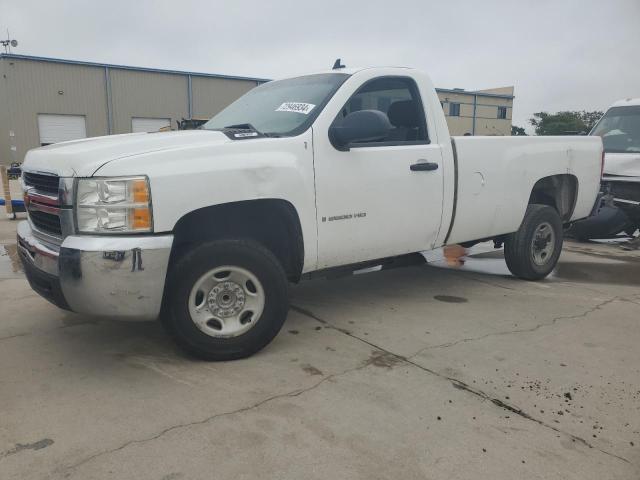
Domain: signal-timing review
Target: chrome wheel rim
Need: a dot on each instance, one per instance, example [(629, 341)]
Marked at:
[(226, 301), (543, 244)]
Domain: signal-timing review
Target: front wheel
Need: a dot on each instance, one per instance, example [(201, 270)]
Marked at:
[(532, 252), (226, 299)]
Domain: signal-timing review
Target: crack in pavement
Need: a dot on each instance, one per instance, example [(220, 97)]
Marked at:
[(462, 385), (9, 337), (53, 329), (630, 301), (297, 392), (496, 401), (290, 394), (521, 330)]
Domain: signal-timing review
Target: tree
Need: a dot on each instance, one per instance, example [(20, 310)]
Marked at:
[(564, 123), (591, 118), (517, 131)]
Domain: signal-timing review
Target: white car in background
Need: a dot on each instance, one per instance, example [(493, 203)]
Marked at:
[(620, 207)]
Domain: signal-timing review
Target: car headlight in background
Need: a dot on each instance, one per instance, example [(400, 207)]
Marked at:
[(113, 205)]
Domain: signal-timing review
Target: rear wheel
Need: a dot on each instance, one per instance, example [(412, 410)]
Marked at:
[(532, 252), (226, 299)]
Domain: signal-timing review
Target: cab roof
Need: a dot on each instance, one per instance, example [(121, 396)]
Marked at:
[(627, 102), (345, 70)]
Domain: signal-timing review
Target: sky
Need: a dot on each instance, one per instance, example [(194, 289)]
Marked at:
[(559, 55)]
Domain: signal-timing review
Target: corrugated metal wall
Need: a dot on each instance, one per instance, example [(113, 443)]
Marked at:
[(147, 94), (32, 87), (210, 95)]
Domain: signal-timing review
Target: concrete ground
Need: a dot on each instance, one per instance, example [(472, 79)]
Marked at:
[(418, 372)]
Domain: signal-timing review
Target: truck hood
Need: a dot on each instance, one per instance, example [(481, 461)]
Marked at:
[(83, 157), (623, 164)]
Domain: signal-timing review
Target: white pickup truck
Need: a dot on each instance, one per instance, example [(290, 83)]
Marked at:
[(341, 169)]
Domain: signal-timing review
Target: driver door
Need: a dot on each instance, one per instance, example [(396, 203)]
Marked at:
[(376, 199)]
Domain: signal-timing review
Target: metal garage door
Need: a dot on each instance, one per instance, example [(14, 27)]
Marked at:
[(60, 128), (141, 124)]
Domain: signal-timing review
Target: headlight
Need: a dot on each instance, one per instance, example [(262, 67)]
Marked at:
[(113, 205)]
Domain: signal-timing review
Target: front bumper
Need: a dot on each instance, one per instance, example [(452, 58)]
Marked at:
[(116, 276), (625, 194)]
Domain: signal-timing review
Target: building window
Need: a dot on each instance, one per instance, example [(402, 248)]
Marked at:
[(454, 109), (442, 105), (502, 112)]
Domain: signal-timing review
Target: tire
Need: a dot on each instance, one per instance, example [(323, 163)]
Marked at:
[(197, 284), (524, 258)]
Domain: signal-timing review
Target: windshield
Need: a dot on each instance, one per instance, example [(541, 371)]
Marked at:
[(620, 129), (280, 108)]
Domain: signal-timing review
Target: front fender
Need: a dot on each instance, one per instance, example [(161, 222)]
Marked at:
[(187, 179)]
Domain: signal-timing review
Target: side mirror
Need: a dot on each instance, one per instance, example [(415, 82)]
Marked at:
[(359, 127)]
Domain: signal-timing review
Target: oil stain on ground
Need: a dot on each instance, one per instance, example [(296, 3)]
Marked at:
[(450, 299), (311, 370), (384, 359), (39, 445)]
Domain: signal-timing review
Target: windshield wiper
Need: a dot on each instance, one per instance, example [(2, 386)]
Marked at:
[(242, 126), (251, 128)]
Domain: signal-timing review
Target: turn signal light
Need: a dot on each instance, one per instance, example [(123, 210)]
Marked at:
[(140, 191), (140, 219)]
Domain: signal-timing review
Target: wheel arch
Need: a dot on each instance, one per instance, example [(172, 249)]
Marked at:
[(272, 222), (557, 191)]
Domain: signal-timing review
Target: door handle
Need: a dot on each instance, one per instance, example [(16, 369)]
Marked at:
[(424, 166)]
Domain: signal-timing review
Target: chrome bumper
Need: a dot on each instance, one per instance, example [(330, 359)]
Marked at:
[(117, 276)]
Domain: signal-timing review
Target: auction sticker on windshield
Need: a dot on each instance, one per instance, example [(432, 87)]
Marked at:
[(298, 107)]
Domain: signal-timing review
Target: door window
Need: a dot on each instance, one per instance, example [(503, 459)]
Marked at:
[(399, 100)]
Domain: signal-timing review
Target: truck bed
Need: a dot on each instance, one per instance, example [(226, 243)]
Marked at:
[(494, 178)]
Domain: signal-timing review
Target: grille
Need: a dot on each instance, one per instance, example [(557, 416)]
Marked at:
[(46, 222), (625, 190), (42, 183)]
